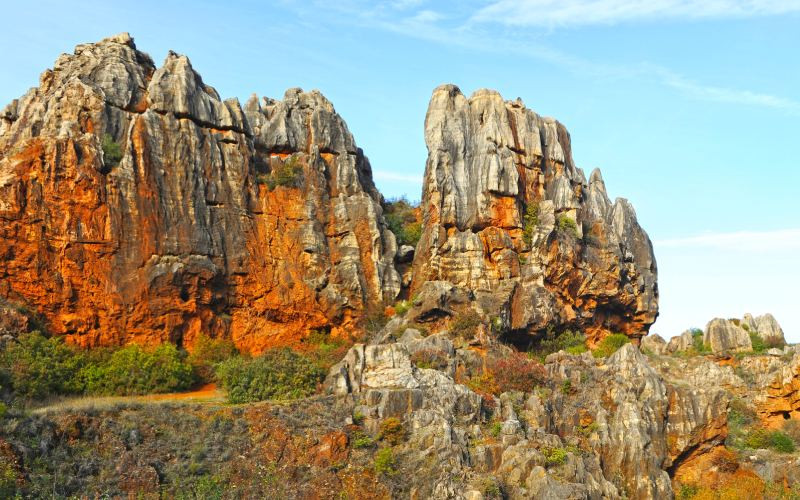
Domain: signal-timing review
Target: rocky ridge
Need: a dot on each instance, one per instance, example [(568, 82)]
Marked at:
[(510, 219), (182, 232)]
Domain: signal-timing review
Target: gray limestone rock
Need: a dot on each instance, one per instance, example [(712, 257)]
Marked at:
[(723, 336)]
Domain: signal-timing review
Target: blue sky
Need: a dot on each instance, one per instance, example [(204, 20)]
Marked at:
[(690, 108)]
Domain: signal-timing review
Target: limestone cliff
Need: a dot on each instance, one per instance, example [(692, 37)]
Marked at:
[(138, 206), (509, 217)]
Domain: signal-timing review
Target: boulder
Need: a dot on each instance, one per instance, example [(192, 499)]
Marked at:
[(654, 343), (723, 336), (683, 342)]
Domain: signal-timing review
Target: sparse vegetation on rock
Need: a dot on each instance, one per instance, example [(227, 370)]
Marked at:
[(279, 374), (402, 218)]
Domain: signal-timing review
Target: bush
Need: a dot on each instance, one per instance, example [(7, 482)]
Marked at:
[(573, 342), (529, 222), (555, 456), (112, 152), (792, 429), (759, 346), (492, 490), (280, 374), (699, 346), (361, 440), (402, 307), (207, 353), (435, 359), (37, 366), (764, 439), (401, 217), (610, 345), (287, 174), (565, 224), (134, 370), (517, 372), (323, 349), (465, 325), (385, 462), (392, 431)]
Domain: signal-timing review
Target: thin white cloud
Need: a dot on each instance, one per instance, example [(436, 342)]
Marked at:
[(552, 13), (459, 29), (783, 240), (393, 176)]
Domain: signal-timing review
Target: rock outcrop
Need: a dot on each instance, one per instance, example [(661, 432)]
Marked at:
[(767, 327), (623, 429), (138, 206), (780, 400), (724, 336), (508, 217)]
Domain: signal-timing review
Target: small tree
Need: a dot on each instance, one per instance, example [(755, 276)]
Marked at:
[(112, 152)]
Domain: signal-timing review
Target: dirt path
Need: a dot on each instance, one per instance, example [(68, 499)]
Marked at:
[(205, 394)]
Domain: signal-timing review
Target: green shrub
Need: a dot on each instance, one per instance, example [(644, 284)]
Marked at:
[(759, 346), (610, 345), (385, 462), (8, 479), (555, 456), (280, 374), (112, 152), (37, 366), (465, 325), (573, 342), (566, 386), (435, 359), (765, 439), (361, 440), (529, 222), (492, 490), (323, 349), (287, 174), (688, 491), (565, 224), (134, 370), (401, 217), (699, 346), (207, 352), (392, 431), (496, 428), (402, 307), (792, 429)]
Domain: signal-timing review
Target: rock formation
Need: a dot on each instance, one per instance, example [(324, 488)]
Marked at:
[(508, 217), (628, 429), (780, 400), (724, 336), (766, 326), (137, 206)]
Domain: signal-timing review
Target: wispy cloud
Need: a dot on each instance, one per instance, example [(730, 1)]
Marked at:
[(468, 27), (552, 13), (783, 240), (393, 176)]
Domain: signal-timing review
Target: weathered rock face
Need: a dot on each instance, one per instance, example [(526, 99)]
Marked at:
[(575, 261), (683, 342), (780, 400), (184, 234), (723, 336), (767, 327), (625, 430)]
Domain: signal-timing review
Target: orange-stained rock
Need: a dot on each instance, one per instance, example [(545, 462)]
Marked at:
[(258, 224), (782, 399), (509, 217)]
